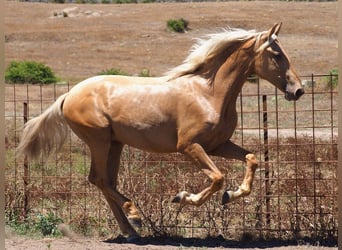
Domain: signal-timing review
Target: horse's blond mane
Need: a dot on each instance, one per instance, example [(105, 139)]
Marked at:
[(206, 49)]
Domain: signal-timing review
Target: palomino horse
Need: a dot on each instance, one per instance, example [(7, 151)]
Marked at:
[(191, 110)]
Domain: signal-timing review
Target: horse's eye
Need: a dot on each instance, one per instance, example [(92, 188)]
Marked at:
[(275, 53)]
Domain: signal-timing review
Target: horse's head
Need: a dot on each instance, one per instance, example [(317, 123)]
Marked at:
[(273, 64)]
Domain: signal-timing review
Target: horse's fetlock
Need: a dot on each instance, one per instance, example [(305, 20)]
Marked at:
[(130, 209), (127, 206), (245, 190)]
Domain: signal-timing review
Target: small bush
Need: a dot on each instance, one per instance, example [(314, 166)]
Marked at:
[(332, 80), (47, 224), (29, 72), (124, 1), (113, 71), (178, 25)]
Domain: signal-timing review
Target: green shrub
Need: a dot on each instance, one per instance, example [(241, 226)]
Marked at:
[(332, 80), (29, 72), (113, 71), (124, 1), (178, 25), (47, 224), (35, 225)]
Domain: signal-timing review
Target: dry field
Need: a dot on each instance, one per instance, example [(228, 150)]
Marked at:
[(133, 37)]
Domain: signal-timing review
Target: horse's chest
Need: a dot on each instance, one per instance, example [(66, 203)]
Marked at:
[(220, 132)]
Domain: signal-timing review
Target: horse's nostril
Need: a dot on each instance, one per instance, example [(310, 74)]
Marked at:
[(299, 93)]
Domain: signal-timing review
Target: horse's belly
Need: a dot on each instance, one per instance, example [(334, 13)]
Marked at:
[(160, 139)]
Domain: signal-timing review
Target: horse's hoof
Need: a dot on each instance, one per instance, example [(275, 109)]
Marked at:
[(225, 198), (133, 239), (179, 197), (136, 222), (176, 199)]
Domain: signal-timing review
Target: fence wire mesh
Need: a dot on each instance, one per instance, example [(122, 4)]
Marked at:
[(294, 194)]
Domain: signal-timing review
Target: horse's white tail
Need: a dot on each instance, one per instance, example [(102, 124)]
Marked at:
[(44, 134)]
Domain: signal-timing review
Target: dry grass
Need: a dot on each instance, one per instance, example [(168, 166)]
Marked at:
[(302, 198)]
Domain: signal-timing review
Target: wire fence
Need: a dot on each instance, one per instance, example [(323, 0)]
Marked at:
[(294, 194)]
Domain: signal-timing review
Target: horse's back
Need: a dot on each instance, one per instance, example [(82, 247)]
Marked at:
[(139, 111)]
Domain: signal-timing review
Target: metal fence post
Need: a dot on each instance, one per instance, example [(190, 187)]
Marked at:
[(267, 170), (26, 171)]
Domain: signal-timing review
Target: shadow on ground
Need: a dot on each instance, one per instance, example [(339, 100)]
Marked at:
[(220, 242)]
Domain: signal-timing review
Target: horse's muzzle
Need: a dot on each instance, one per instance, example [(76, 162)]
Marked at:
[(294, 96)]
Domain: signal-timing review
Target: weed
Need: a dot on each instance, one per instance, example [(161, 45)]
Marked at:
[(18, 224)]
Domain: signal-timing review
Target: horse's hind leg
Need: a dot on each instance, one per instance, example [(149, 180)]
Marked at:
[(113, 170), (105, 160), (232, 151), (103, 173)]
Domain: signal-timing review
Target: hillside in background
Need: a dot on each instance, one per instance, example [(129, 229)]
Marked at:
[(90, 38)]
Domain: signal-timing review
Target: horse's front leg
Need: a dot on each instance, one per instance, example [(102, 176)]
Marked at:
[(230, 150), (200, 157)]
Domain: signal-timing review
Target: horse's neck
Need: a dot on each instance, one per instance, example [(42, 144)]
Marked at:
[(230, 78)]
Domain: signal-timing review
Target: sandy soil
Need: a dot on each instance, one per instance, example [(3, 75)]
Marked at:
[(134, 37)]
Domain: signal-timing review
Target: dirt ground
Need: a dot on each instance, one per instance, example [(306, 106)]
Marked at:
[(78, 242), (134, 37)]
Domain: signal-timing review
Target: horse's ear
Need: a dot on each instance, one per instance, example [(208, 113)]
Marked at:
[(271, 35), (274, 30)]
